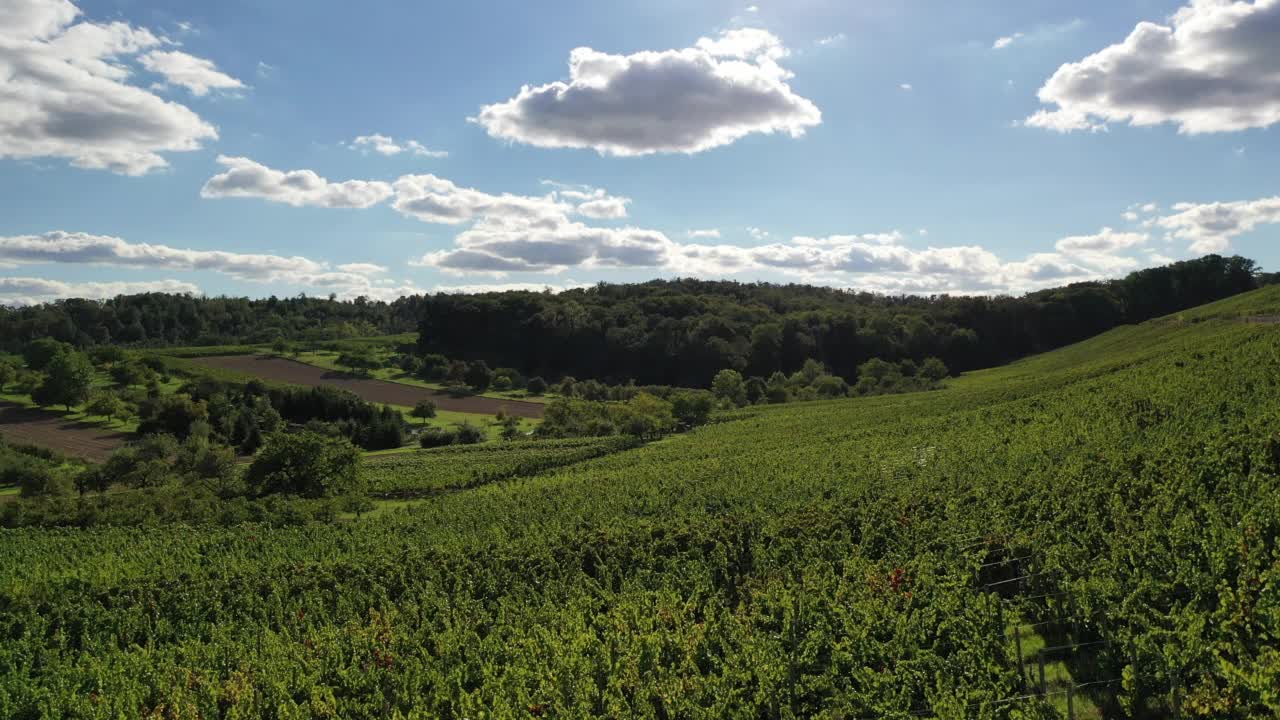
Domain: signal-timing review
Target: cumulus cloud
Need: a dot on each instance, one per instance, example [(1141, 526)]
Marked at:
[(18, 291), (1213, 68), (498, 247), (346, 280), (436, 200), (86, 249), (596, 203), (195, 74), (66, 92), (1105, 241), (246, 178), (83, 248), (703, 234), (1210, 227), (384, 145), (686, 101)]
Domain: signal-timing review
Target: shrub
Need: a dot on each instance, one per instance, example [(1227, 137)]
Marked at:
[(436, 437), (469, 434), (424, 410), (305, 463)]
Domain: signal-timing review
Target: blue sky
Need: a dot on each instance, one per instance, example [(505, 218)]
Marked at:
[(896, 146)]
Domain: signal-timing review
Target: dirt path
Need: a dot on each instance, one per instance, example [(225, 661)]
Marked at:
[(376, 391), (50, 430)]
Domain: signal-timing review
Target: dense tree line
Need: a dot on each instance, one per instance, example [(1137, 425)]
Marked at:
[(683, 332), (243, 415), (679, 332), (155, 319)]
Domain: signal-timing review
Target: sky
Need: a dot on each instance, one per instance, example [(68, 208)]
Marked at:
[(390, 148)]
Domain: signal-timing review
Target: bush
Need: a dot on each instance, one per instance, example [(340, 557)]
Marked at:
[(68, 378), (537, 386), (436, 437), (171, 414), (433, 368), (469, 434), (478, 376), (32, 479), (39, 353), (934, 369), (306, 464), (728, 385), (693, 408), (424, 410)]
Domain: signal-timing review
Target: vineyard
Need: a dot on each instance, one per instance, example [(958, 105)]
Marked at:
[(1116, 501), (426, 472)]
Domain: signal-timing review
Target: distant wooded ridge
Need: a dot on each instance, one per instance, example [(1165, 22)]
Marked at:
[(676, 332)]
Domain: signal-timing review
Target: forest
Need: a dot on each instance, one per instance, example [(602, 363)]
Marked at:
[(683, 332), (663, 332)]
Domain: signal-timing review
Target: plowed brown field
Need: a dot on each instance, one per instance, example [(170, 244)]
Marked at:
[(50, 430), (375, 391)]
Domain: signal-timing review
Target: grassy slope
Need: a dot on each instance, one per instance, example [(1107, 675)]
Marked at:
[(824, 497)]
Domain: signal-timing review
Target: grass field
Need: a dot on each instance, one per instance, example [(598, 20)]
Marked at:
[(858, 558)]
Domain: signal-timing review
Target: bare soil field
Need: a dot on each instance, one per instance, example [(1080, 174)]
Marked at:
[(375, 391), (50, 430)]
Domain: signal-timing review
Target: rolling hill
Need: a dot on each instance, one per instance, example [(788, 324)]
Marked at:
[(1111, 509)]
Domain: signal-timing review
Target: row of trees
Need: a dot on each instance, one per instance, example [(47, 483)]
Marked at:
[(155, 319), (683, 332)]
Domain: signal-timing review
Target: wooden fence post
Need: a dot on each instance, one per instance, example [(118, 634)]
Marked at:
[(1022, 672), (1044, 687), (1071, 706)]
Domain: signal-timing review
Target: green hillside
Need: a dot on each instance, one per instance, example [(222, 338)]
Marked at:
[(878, 557)]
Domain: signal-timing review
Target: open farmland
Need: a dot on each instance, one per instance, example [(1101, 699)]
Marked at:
[(878, 557), (376, 391), (51, 430)]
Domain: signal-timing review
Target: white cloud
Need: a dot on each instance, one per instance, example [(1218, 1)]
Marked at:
[(437, 200), (906, 86), (597, 204), (753, 8), (703, 234), (1213, 68), (832, 39), (502, 246), (83, 248), (1210, 227), (195, 74), (385, 145), (1105, 241), (757, 233), (1006, 41), (66, 93), (246, 178), (265, 69), (362, 268), (19, 291), (347, 280), (686, 101)]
